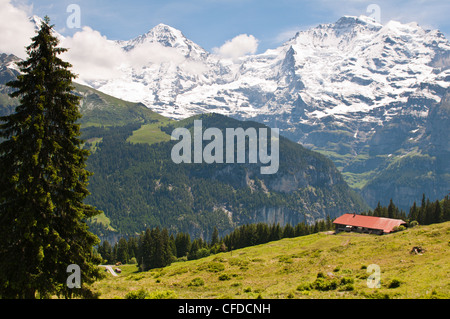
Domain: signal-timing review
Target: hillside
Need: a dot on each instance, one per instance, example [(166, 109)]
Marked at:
[(137, 184), (314, 266)]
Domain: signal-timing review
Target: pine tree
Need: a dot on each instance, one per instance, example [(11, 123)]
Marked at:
[(106, 251), (145, 251), (165, 254), (438, 217), (413, 212), (391, 210), (43, 180), (183, 244), (122, 251), (215, 237)]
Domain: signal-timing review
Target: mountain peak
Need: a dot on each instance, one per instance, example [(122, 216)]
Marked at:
[(36, 21), (362, 20), (162, 34), (161, 27), (168, 37)]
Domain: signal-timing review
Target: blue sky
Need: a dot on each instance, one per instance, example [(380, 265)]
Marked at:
[(210, 23)]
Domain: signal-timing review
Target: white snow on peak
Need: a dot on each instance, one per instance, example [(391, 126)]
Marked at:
[(353, 66)]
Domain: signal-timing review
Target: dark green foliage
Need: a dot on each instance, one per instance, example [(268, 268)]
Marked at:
[(325, 283), (394, 283), (137, 294), (106, 251), (261, 233), (139, 186), (43, 181), (196, 282), (427, 213), (155, 249), (122, 251)]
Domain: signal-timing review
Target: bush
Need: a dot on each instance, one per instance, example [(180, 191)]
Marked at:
[(162, 294), (215, 267), (224, 277), (394, 283), (346, 280), (346, 284), (137, 294), (304, 286), (144, 294), (322, 283), (414, 223), (196, 282)]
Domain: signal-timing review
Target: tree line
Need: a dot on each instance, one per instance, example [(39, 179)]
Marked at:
[(156, 247), (427, 213)]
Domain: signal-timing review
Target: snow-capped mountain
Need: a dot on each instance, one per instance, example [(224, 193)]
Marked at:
[(356, 90), (354, 65)]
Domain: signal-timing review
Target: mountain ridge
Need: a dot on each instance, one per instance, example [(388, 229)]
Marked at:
[(357, 91)]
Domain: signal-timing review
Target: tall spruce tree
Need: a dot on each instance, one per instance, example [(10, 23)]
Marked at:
[(43, 180)]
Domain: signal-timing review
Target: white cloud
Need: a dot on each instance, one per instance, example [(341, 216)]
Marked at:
[(16, 30), (92, 55), (154, 53), (238, 46), (147, 53)]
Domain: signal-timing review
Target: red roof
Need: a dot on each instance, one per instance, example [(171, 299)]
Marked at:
[(386, 224)]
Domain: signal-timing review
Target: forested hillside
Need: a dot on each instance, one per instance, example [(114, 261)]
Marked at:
[(138, 185)]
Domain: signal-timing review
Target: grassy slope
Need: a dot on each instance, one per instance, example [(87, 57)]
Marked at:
[(150, 133), (277, 269)]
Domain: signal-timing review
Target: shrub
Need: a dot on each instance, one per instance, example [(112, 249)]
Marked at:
[(413, 223), (323, 283), (215, 267), (320, 275), (346, 280), (399, 228), (346, 284), (304, 287), (224, 277), (162, 294), (137, 294), (196, 282), (394, 283)]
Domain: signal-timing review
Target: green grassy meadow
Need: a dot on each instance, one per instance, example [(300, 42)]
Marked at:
[(321, 265)]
